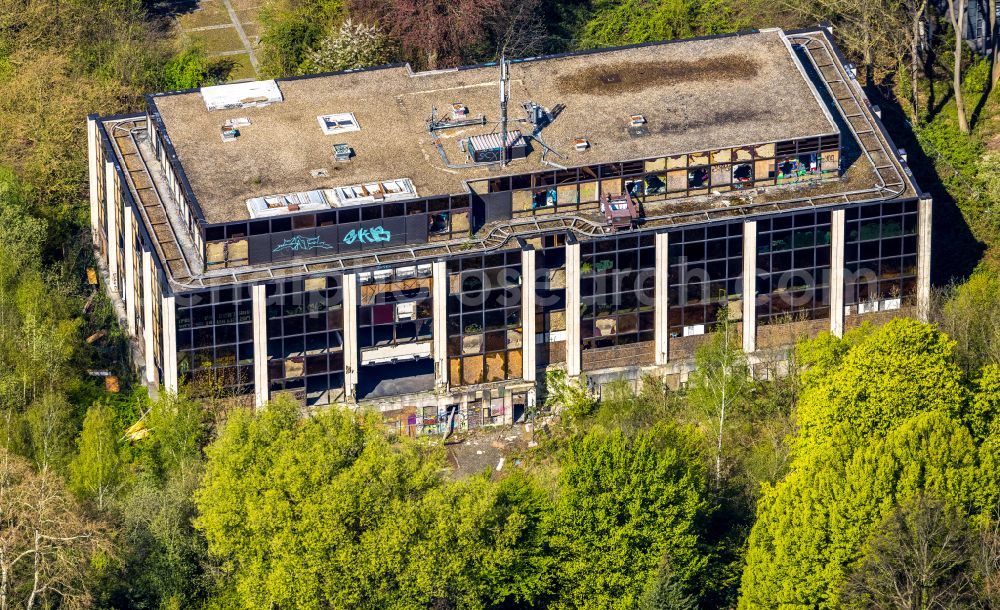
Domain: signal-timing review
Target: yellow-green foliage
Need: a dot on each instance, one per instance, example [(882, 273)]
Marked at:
[(884, 416), (812, 526), (623, 504), (328, 511), (899, 370)]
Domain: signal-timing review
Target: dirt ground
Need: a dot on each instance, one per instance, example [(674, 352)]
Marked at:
[(493, 449)]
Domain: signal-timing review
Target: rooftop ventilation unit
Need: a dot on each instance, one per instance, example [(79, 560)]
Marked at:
[(581, 144), (636, 120), (342, 152), (459, 112), (278, 205), (241, 95), (229, 133), (369, 192), (487, 148)]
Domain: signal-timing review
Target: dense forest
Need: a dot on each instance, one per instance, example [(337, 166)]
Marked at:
[(867, 475)]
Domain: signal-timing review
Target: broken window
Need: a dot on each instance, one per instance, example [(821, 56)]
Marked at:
[(787, 167), (698, 178), (544, 198), (808, 164), (742, 174), (655, 185), (437, 223)]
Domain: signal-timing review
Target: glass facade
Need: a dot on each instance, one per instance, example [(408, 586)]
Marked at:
[(395, 306), (793, 267), (215, 341), (484, 318), (550, 301), (705, 275), (617, 288), (136, 262), (305, 318), (305, 339), (880, 255)]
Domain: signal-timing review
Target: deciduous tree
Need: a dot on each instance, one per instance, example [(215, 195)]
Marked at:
[(720, 382), (351, 46), (328, 511), (96, 472), (624, 504), (46, 543), (921, 558)]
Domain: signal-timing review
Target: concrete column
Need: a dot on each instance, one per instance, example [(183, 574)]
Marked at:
[(573, 360), (750, 286), (837, 273), (439, 288), (528, 344), (258, 300), (147, 317), (111, 197), (169, 326), (93, 141), (128, 294), (351, 356), (924, 226), (662, 321)]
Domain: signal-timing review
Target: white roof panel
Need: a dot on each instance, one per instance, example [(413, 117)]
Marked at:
[(241, 95)]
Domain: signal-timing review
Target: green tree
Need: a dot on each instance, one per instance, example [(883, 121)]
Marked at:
[(328, 511), (623, 505), (720, 382), (970, 314), (186, 70), (52, 426), (349, 47), (630, 21), (568, 394), (667, 593), (897, 371), (812, 527), (95, 473), (292, 29), (164, 557), (920, 558)]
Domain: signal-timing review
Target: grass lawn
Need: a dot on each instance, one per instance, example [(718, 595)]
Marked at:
[(243, 69), (210, 12), (218, 41)]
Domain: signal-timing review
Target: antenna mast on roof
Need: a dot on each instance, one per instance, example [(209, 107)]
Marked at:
[(504, 94)]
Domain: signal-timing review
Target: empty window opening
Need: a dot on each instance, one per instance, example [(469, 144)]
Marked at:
[(698, 178), (544, 198), (742, 173), (438, 223)]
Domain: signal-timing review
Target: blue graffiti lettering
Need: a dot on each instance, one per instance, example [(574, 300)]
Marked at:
[(297, 243), (368, 236)]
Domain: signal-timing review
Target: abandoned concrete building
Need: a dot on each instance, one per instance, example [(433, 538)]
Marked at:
[(429, 244)]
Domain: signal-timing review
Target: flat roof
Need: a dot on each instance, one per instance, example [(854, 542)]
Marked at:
[(695, 95)]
